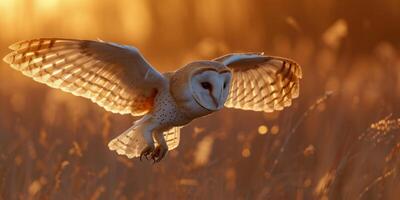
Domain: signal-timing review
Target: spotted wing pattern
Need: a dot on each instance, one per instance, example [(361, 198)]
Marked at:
[(261, 83), (116, 77)]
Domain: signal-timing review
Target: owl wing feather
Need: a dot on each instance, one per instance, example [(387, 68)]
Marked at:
[(261, 83), (116, 77)]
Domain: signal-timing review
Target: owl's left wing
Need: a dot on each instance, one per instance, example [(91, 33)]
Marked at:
[(261, 83)]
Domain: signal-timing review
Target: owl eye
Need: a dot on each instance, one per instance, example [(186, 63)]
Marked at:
[(206, 85)]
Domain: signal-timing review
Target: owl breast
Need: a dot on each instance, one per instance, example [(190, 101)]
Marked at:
[(166, 111), (174, 104)]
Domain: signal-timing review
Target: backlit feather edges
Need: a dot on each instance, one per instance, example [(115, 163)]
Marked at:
[(83, 88), (53, 62), (172, 137), (274, 84), (131, 143)]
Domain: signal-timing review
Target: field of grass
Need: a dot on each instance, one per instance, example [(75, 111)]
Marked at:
[(339, 140)]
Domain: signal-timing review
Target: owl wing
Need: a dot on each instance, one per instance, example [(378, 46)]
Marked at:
[(116, 77), (261, 83)]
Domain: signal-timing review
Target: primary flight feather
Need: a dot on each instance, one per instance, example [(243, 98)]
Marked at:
[(119, 79)]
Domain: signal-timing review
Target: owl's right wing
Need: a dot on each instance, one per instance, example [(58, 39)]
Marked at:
[(116, 77), (261, 83)]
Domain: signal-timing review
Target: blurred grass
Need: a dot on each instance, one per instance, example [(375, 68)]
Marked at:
[(53, 145)]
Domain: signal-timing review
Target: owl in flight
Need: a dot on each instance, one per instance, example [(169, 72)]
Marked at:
[(119, 79)]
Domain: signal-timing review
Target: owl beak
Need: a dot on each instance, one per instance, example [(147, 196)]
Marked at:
[(220, 104), (215, 101), (217, 97)]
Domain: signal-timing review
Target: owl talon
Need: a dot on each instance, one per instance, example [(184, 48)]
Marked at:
[(159, 153), (146, 152), (162, 155), (155, 154)]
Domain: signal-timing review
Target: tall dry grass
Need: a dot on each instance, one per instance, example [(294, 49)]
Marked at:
[(339, 140)]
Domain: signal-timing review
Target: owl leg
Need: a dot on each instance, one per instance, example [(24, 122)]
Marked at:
[(161, 149), (147, 134)]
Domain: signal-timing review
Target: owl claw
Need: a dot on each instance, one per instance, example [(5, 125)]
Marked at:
[(159, 153), (162, 154), (155, 154), (146, 152)]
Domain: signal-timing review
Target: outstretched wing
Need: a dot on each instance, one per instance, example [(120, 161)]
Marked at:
[(114, 76), (261, 83)]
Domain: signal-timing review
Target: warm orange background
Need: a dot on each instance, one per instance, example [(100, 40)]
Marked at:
[(53, 145)]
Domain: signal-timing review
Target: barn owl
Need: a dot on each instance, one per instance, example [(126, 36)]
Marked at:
[(119, 79)]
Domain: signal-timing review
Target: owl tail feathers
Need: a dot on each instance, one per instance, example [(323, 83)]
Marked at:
[(172, 137), (129, 143)]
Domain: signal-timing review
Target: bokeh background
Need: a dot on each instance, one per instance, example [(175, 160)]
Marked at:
[(339, 140)]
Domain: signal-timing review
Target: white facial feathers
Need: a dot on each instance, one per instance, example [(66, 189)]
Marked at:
[(210, 88), (198, 87)]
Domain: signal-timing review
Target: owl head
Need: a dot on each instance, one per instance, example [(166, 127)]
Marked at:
[(201, 87)]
